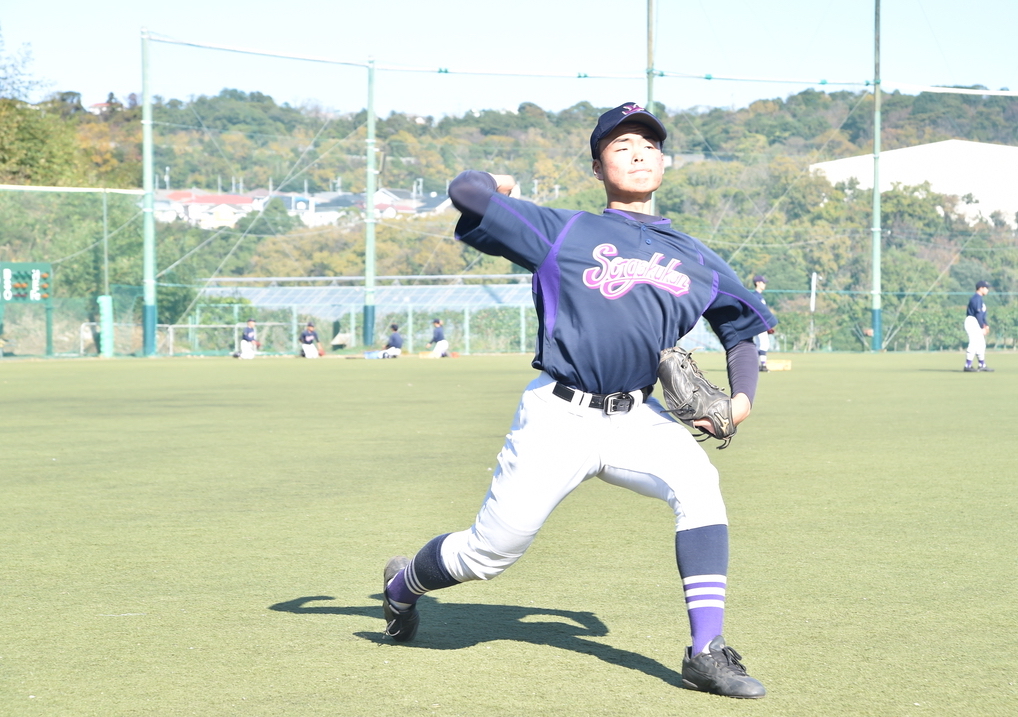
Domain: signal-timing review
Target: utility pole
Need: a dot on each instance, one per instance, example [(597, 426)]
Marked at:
[(148, 253), (369, 216), (650, 74), (878, 338)]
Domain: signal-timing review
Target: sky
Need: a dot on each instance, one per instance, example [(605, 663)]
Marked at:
[(95, 48)]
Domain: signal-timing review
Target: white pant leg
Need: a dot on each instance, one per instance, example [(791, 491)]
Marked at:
[(247, 349), (552, 448), (441, 348), (391, 352), (977, 340), (310, 350), (763, 342), (655, 456)]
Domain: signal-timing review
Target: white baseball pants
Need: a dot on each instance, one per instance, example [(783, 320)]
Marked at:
[(553, 447), (441, 348), (977, 340)]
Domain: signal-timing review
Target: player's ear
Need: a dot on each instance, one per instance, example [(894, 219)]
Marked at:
[(596, 167)]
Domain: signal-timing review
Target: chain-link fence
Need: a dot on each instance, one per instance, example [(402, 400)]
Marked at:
[(840, 322)]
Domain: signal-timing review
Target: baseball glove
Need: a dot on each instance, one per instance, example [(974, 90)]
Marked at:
[(691, 397)]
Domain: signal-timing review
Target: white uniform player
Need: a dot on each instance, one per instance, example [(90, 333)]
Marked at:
[(763, 339), (439, 346), (249, 341), (611, 292), (310, 346), (977, 329)]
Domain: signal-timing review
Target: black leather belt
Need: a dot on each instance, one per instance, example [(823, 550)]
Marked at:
[(621, 402)]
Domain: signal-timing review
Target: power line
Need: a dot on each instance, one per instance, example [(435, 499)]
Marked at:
[(582, 75)]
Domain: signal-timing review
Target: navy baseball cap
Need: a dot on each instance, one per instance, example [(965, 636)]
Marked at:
[(759, 277), (629, 112), (982, 285)]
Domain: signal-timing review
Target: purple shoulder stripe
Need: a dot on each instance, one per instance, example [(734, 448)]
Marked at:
[(549, 277), (497, 198), (751, 307)]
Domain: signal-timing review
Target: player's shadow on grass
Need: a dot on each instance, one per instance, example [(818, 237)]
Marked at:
[(454, 626)]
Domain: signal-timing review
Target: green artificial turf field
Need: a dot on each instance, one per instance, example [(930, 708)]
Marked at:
[(206, 537)]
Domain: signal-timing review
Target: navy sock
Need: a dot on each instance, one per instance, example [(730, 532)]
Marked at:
[(424, 573), (702, 558)]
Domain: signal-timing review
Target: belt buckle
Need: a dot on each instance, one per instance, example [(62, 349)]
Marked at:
[(620, 402)]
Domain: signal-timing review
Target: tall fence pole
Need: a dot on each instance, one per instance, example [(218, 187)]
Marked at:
[(409, 331), (650, 75), (148, 227), (523, 329), (878, 331), (369, 215)]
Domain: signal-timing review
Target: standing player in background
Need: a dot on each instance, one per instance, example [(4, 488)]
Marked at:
[(612, 291), (249, 341), (977, 329), (310, 346), (438, 342), (763, 339)]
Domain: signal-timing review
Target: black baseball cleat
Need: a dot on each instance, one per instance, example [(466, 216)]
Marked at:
[(400, 625), (719, 672), (984, 369), (970, 369), (763, 368)]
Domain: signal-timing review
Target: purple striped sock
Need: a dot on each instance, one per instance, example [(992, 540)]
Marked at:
[(397, 590), (705, 602)]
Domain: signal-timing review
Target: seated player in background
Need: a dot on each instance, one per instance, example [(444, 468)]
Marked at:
[(440, 347), (394, 346), (249, 343), (310, 346)]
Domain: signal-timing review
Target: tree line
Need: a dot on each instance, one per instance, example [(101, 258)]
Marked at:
[(739, 181)]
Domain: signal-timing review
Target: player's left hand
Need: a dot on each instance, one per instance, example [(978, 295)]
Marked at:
[(741, 408), (986, 330)]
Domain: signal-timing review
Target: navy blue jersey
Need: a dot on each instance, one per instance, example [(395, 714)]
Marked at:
[(309, 336), (977, 308), (437, 335), (395, 341), (249, 333), (611, 292)]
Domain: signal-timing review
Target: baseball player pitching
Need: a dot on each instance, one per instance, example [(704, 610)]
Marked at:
[(612, 291), (977, 329)]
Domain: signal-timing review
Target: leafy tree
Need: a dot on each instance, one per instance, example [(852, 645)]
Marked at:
[(36, 147)]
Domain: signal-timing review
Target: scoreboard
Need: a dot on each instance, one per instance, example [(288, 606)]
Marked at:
[(26, 282)]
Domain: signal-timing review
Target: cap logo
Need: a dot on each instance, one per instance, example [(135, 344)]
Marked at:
[(631, 108)]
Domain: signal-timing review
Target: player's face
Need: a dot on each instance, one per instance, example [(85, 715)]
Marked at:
[(631, 163)]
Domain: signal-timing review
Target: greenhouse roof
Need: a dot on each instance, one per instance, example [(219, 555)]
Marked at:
[(333, 301)]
